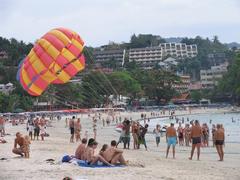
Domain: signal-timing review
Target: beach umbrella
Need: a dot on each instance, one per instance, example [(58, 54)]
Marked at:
[(55, 58)]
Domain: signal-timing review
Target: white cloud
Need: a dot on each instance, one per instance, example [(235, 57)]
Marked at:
[(101, 21)]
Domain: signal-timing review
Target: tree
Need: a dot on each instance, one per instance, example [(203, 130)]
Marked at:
[(125, 84), (145, 40), (230, 83)]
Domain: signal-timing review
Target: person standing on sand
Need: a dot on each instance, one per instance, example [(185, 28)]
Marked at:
[(126, 141), (36, 128), (135, 134), (141, 138), (196, 134), (157, 132), (187, 133), (213, 133), (77, 130), (180, 134), (219, 141), (71, 127), (171, 138), (66, 122), (2, 126)]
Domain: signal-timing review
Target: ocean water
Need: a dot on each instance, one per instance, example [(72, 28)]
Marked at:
[(230, 121)]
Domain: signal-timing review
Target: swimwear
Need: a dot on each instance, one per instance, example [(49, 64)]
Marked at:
[(219, 142), (171, 141), (196, 140), (36, 131), (72, 130), (180, 136)]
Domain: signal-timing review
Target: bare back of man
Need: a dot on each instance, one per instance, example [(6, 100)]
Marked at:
[(114, 155), (19, 141)]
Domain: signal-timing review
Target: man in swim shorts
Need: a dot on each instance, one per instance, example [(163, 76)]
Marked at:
[(171, 138), (196, 134), (71, 127), (219, 141), (19, 140)]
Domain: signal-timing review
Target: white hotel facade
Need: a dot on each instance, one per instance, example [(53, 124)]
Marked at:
[(152, 55)]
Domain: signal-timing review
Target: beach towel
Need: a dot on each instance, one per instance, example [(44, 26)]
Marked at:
[(72, 160), (98, 165)]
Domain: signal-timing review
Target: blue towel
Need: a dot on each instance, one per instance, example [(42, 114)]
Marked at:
[(85, 164)]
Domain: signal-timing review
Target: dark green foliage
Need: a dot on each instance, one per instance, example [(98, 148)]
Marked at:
[(230, 84)]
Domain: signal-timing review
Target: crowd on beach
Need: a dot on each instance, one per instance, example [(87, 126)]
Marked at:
[(191, 134)]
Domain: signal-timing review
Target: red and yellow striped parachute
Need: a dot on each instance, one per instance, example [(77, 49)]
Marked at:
[(54, 59)]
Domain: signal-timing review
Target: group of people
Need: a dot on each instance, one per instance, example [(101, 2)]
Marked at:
[(184, 134), (75, 128), (196, 134), (108, 155), (37, 127), (138, 134)]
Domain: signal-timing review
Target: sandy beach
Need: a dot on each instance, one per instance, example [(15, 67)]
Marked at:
[(150, 164)]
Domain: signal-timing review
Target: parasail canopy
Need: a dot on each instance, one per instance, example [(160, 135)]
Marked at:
[(55, 59)]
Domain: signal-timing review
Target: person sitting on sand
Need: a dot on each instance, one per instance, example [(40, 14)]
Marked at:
[(79, 154), (114, 155), (219, 141), (89, 154), (196, 134), (104, 148), (19, 140), (171, 138)]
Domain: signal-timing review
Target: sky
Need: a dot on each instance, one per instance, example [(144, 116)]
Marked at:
[(100, 21)]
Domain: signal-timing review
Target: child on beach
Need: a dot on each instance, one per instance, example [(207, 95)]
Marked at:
[(157, 132), (26, 146)]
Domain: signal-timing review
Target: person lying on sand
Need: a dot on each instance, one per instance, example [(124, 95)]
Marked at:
[(114, 155), (79, 154), (89, 154)]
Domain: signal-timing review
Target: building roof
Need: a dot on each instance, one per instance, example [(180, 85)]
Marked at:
[(181, 97)]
